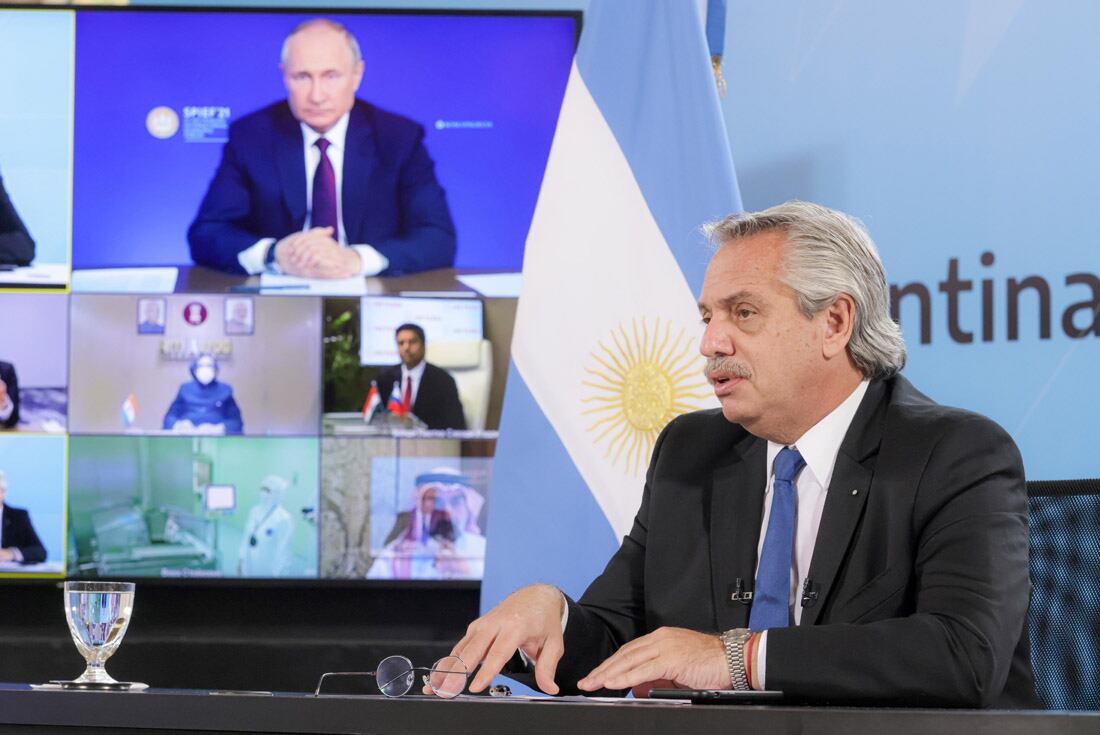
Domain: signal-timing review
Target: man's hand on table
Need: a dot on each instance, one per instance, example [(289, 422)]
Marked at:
[(529, 620), (667, 657)]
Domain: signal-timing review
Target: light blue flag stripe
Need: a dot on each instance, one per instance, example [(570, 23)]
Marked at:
[(544, 524), (646, 64)]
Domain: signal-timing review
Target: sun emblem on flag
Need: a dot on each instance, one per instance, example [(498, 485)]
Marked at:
[(637, 385)]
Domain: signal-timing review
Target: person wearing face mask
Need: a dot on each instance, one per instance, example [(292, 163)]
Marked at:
[(265, 540), (204, 405)]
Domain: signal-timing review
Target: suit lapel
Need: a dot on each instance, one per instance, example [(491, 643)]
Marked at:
[(737, 503), (360, 160), (425, 383), (291, 162), (845, 498)]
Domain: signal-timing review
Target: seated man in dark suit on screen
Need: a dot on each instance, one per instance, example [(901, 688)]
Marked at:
[(18, 541), (16, 245), (9, 396), (830, 532), (428, 390), (324, 185)]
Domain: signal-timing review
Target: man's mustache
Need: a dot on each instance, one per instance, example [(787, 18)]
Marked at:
[(726, 365)]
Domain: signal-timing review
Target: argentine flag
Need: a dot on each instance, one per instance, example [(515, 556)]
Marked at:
[(605, 350)]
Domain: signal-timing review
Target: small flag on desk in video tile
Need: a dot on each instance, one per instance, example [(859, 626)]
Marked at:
[(129, 411), (372, 403), (395, 404)]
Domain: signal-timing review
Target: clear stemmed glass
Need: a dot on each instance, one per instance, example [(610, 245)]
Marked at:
[(98, 614)]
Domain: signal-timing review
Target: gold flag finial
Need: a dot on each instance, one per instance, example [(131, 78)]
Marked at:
[(716, 67)]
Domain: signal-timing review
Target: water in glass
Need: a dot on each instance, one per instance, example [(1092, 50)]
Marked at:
[(98, 614)]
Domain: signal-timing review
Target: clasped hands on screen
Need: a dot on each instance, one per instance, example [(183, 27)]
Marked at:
[(529, 620), (314, 253)]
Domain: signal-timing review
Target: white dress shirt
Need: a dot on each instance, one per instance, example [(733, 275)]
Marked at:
[(818, 447), (372, 262)]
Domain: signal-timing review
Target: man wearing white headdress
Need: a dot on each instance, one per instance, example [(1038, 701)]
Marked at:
[(265, 540), (443, 539)]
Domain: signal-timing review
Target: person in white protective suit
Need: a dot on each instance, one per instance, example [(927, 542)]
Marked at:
[(265, 541)]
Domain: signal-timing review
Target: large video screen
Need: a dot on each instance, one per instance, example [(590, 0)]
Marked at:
[(179, 399)]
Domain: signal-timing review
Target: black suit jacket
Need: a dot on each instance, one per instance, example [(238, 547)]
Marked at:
[(390, 196), (920, 567), (436, 404), (16, 245), (7, 374), (18, 533)]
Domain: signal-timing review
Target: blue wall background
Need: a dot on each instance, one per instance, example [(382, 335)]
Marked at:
[(952, 129)]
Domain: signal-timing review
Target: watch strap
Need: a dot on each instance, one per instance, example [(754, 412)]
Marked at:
[(734, 641)]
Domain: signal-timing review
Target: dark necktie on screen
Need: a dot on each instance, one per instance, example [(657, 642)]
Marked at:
[(772, 593), (407, 397), (324, 192)]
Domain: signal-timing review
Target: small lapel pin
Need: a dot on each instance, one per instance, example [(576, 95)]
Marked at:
[(855, 491)]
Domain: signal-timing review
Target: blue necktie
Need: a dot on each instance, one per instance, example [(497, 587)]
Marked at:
[(771, 597)]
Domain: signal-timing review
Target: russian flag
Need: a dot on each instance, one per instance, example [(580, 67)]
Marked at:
[(640, 159), (395, 404)]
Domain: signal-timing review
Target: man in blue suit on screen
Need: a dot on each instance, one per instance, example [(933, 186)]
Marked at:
[(324, 185)]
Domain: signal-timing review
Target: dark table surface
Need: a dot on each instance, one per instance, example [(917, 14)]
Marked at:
[(193, 711)]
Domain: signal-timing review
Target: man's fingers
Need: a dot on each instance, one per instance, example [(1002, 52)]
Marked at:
[(546, 664), (499, 654), (627, 659), (457, 649), (474, 648), (646, 672)]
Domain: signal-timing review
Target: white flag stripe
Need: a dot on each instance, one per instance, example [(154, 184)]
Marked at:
[(595, 260)]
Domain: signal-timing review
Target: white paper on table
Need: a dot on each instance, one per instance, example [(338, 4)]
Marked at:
[(277, 283), (494, 285), (125, 280), (43, 274)]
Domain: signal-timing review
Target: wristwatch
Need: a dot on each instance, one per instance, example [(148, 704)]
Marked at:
[(734, 640)]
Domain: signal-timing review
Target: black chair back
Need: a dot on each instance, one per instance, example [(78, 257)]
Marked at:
[(1064, 619)]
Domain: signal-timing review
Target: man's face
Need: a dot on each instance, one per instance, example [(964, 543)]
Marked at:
[(447, 499), (763, 353), (321, 76), (410, 347), (152, 312), (240, 312)]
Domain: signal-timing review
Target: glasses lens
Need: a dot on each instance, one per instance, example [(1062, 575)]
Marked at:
[(395, 676), (448, 677)]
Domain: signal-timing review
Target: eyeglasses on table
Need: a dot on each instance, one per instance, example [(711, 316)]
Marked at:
[(395, 676)]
